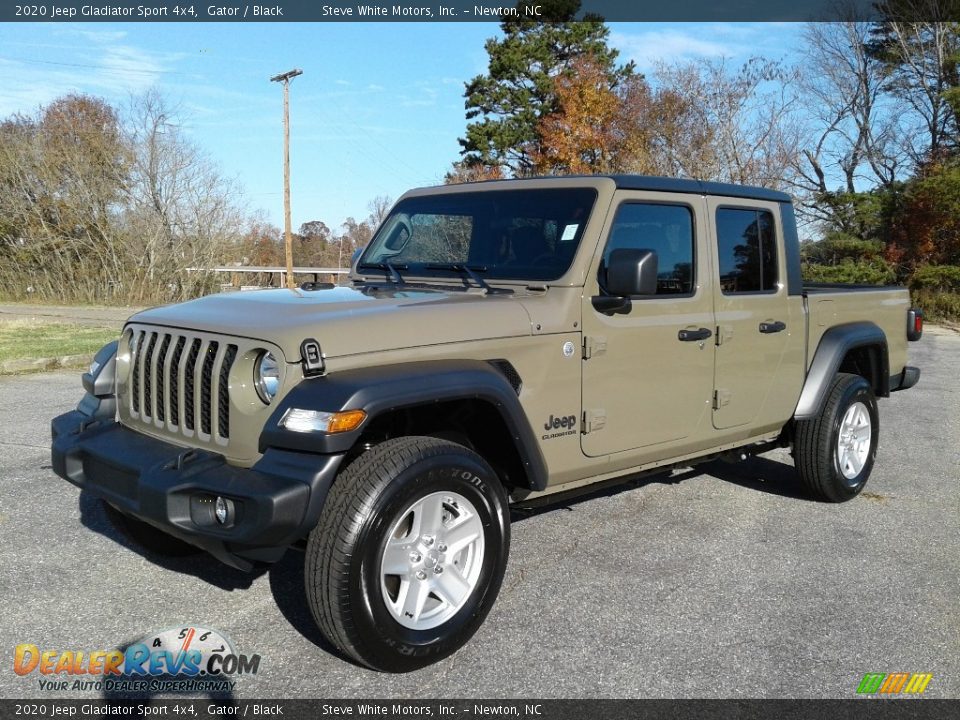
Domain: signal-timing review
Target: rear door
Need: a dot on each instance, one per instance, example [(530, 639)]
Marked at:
[(753, 317)]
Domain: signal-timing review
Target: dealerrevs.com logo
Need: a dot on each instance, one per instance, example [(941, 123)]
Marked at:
[(180, 659)]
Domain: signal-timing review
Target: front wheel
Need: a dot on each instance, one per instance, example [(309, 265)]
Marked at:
[(835, 451), (409, 553)]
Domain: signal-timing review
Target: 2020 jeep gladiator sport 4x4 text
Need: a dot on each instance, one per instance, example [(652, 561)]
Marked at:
[(499, 341)]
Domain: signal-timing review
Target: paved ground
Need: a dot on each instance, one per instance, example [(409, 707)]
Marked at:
[(717, 582)]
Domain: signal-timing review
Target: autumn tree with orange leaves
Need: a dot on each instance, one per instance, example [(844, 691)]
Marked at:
[(595, 128)]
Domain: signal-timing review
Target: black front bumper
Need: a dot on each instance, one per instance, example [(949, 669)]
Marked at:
[(274, 503)]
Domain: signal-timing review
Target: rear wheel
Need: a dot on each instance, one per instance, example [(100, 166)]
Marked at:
[(409, 553), (835, 451)]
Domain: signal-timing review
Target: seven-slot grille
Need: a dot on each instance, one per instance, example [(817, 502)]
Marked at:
[(181, 382)]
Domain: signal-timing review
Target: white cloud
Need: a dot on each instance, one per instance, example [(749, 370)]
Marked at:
[(101, 36), (648, 48)]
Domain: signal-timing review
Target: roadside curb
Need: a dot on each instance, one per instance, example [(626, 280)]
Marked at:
[(24, 365)]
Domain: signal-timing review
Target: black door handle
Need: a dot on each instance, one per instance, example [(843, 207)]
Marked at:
[(694, 335), (772, 327)]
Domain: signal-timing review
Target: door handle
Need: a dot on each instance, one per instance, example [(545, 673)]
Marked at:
[(694, 335), (772, 327)]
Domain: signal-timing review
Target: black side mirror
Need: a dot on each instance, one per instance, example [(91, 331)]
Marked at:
[(632, 272)]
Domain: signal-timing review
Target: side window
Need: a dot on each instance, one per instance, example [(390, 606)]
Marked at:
[(665, 229), (747, 248)]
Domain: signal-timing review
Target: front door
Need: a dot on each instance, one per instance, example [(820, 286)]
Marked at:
[(648, 372)]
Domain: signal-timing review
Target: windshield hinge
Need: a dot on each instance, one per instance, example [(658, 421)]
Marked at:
[(593, 420), (724, 333), (594, 345)]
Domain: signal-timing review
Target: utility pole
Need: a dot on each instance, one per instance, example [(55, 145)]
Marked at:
[(285, 78)]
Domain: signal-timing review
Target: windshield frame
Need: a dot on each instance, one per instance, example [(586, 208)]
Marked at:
[(521, 195)]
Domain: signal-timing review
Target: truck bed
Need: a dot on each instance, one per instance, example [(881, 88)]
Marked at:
[(831, 304)]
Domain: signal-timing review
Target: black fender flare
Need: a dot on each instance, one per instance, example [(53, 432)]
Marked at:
[(382, 389), (834, 346)]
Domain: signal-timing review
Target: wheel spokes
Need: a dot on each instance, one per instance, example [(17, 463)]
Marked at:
[(428, 516), (451, 587), (396, 558), (855, 463), (462, 534), (853, 440), (432, 560), (411, 599)]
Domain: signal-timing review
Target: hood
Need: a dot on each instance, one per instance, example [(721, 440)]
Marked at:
[(348, 321)]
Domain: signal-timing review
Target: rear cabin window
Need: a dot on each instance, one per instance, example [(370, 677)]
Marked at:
[(665, 229), (747, 250)]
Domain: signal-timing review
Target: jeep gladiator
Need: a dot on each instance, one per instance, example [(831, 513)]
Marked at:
[(497, 342)]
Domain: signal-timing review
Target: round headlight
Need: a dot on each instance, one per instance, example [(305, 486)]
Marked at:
[(266, 377)]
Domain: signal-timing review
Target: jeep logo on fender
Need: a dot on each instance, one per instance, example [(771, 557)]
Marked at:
[(555, 423), (565, 423)]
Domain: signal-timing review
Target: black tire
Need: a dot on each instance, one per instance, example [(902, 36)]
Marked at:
[(816, 452), (147, 536), (342, 571)]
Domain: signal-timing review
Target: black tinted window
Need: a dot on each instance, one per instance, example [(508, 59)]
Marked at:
[(747, 249), (665, 229), (510, 234)]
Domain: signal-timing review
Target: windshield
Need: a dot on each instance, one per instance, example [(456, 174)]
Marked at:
[(501, 234)]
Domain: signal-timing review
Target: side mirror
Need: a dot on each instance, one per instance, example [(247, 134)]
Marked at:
[(632, 272)]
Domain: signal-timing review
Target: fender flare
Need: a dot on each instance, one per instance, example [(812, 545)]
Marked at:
[(833, 347), (382, 389)]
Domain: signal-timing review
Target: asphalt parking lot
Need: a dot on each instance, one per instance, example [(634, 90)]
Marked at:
[(719, 581)]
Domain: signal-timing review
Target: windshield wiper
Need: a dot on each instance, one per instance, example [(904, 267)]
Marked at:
[(391, 268), (469, 271)]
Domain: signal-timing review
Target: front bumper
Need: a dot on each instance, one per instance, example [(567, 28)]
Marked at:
[(274, 503)]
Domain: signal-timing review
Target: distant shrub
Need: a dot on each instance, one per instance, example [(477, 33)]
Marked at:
[(938, 305), (855, 272), (936, 278)]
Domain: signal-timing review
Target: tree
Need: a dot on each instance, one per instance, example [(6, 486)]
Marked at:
[(62, 175), (735, 126), (856, 130), (314, 240), (180, 211), (378, 207), (505, 106), (595, 128), (927, 229), (99, 205), (919, 44), (463, 172)]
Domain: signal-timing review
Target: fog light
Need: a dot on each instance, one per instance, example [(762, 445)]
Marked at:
[(221, 510)]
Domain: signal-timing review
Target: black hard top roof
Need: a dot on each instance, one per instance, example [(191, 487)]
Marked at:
[(663, 184)]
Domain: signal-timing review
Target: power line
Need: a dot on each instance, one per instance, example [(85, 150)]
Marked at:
[(108, 70)]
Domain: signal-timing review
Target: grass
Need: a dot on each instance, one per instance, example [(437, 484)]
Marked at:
[(23, 339)]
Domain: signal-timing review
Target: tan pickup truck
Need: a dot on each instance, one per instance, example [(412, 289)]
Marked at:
[(497, 342)]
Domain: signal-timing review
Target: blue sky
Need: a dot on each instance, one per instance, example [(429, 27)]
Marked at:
[(378, 109)]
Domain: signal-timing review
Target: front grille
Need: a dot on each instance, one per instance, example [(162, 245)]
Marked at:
[(181, 382)]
